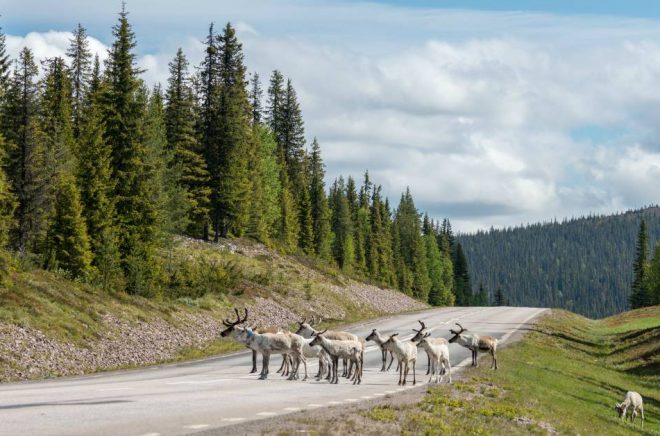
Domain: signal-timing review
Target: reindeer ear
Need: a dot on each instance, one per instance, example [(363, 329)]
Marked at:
[(395, 334), (427, 334)]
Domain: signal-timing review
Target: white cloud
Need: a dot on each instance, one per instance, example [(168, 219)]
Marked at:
[(50, 44), (492, 118)]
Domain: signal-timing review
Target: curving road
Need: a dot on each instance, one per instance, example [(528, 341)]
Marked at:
[(211, 393)]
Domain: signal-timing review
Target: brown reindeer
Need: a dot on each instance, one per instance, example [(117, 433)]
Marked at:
[(476, 343)]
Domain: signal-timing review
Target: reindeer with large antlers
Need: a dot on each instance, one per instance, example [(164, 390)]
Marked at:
[(421, 334), (475, 343), (238, 334)]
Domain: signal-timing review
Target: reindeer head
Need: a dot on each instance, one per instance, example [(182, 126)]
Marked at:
[(317, 338), (423, 340), (456, 333), (619, 409), (420, 333), (372, 336), (305, 328), (231, 325)]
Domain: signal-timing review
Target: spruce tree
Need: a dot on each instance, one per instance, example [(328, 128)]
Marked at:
[(67, 245), (288, 222), (95, 175), (184, 146), (343, 247), (5, 66), (235, 140), (481, 299), (653, 277), (124, 106), (266, 211), (7, 201), (208, 126), (639, 294), (275, 109), (462, 284), (319, 204), (81, 70), (56, 128), (25, 153), (256, 94), (412, 260), (306, 236), (499, 299)]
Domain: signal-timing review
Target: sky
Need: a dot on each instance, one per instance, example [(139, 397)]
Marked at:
[(494, 113)]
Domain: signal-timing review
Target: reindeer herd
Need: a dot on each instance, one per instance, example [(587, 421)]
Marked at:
[(329, 347)]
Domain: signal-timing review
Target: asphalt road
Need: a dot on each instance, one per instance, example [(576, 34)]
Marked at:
[(211, 393)]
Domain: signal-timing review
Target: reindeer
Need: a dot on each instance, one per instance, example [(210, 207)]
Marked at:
[(380, 340), (476, 343), (421, 334), (438, 352), (406, 353), (233, 333), (632, 399), (306, 330), (344, 349), (287, 343)]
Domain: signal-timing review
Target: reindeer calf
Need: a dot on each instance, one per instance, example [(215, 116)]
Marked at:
[(632, 399)]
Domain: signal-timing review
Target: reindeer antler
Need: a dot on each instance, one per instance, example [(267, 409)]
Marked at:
[(422, 323), (462, 328)]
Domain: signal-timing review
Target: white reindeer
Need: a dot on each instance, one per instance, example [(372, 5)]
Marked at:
[(276, 343), (231, 332), (380, 340), (438, 353), (406, 353), (306, 330), (340, 349), (421, 333), (311, 352), (476, 343), (632, 399)]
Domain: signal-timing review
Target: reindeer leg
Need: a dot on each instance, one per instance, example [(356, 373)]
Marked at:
[(383, 355), (391, 360), (254, 362), (428, 363), (264, 366), (335, 377), (414, 372)]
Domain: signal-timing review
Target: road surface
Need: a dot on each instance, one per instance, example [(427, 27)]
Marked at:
[(211, 393)]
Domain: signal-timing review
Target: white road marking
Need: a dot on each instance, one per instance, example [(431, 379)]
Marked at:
[(314, 405), (199, 382), (232, 419), (366, 397), (350, 400), (379, 395), (151, 434), (390, 392), (266, 413), (292, 409), (333, 403), (114, 389), (195, 426)]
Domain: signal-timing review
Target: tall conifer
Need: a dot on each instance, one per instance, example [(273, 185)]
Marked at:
[(639, 296), (81, 70)]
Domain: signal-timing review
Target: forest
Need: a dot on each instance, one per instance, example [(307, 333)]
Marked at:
[(593, 265), (98, 171)]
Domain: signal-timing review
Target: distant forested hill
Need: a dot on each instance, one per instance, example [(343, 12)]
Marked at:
[(583, 264)]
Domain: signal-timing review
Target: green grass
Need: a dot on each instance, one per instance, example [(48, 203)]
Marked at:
[(566, 374)]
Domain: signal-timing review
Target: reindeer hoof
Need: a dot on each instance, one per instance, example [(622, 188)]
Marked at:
[(253, 371)]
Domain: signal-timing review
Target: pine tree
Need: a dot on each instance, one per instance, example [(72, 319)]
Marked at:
[(25, 152), (639, 294), (81, 70), (67, 243), (184, 145), (319, 205)]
